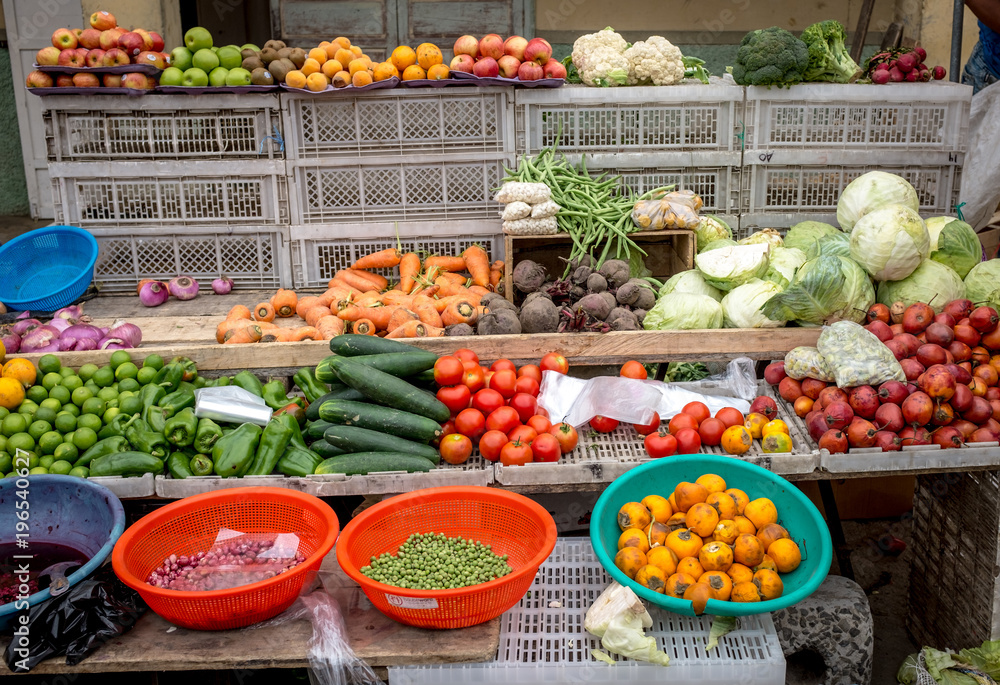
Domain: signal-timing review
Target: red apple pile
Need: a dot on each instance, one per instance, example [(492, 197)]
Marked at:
[(516, 57), (951, 395), (102, 45)]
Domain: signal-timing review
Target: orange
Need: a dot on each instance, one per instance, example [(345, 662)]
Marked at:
[(402, 57), (659, 507), (656, 533), (721, 584), (663, 558), (702, 519), (438, 72), (310, 66), (786, 555), (745, 592), (428, 55), (740, 498), (385, 71), (331, 67), (748, 551), (740, 573), (413, 73), (361, 78), (678, 584), (318, 54), (341, 79), (688, 494), (769, 584), (712, 482), (774, 426), (744, 526), (726, 532), (684, 543), (716, 556), (295, 79), (754, 423), (691, 566), (344, 56), (761, 512), (317, 82), (699, 594), (22, 371), (770, 533), (358, 64), (723, 504), (11, 393), (736, 440)]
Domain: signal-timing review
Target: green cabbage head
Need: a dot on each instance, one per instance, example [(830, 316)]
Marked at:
[(741, 305), (690, 282), (805, 234), (890, 242), (872, 191), (954, 244), (824, 290), (931, 282), (683, 311), (983, 283)]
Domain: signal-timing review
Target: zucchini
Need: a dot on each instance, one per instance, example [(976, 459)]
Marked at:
[(353, 439), (314, 431), (126, 464), (399, 364), (325, 450), (388, 390), (363, 463), (384, 419), (353, 345), (341, 392)]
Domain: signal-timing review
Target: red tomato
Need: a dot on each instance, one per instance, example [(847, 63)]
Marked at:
[(487, 375), (503, 364), (474, 379), (554, 362), (503, 382), (542, 411), (730, 416), (467, 355), (491, 443), (470, 423), (447, 429), (531, 371), (539, 423), (503, 419), (647, 428), (602, 424), (681, 421), (471, 365), (525, 434), (688, 441), (448, 370), (711, 431), (525, 405), (456, 398), (659, 445), (527, 385), (566, 435), (456, 448), (487, 401), (515, 454), (633, 369), (546, 447), (699, 410)]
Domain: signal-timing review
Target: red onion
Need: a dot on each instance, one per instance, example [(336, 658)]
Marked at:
[(183, 287), (222, 286), (22, 326), (60, 324), (39, 337), (83, 344), (11, 340), (154, 293), (24, 314), (127, 335), (84, 330), (72, 313), (54, 347)]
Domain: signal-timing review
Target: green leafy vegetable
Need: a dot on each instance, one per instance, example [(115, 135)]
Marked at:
[(721, 625)]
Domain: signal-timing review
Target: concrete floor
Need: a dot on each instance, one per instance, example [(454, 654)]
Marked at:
[(13, 226)]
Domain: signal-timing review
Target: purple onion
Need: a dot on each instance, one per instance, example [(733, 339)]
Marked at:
[(222, 286), (23, 315), (22, 326), (11, 340), (84, 344), (183, 287), (54, 347), (154, 293), (60, 324), (72, 313), (39, 337), (128, 333), (84, 330)]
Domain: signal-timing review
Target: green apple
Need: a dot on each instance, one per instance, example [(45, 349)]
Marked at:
[(217, 77), (195, 78), (250, 46), (238, 77), (197, 39), (171, 76), (229, 57), (181, 58), (206, 60)]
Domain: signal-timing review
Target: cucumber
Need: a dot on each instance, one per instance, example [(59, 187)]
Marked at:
[(388, 390), (341, 392), (325, 450), (353, 439), (384, 419), (399, 364), (353, 345), (126, 464), (363, 463), (315, 430)]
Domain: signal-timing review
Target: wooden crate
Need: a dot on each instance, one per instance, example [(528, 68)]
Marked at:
[(668, 252)]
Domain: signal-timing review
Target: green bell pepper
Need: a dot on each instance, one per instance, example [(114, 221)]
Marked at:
[(145, 440), (206, 436), (312, 388), (273, 442), (298, 462), (169, 377), (117, 443), (276, 398), (150, 395), (200, 382), (189, 367), (201, 465), (179, 465), (175, 401), (117, 426), (222, 381), (234, 453), (155, 418), (249, 382), (181, 429)]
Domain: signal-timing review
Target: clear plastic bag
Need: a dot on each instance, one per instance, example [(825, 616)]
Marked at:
[(807, 362), (544, 210), (513, 211), (232, 404), (577, 401), (856, 356), (516, 191), (677, 209), (546, 226)]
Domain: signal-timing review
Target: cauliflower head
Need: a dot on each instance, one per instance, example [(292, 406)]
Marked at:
[(655, 60), (598, 58)]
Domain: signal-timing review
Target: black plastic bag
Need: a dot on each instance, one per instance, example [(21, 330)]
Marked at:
[(91, 613)]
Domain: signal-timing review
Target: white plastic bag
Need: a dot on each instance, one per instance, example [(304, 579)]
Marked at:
[(577, 401), (232, 404), (513, 211)]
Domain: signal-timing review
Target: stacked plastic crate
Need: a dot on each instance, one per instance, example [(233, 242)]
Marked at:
[(806, 143), (171, 185), (420, 164)]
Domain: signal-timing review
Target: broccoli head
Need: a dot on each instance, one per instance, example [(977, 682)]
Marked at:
[(829, 59), (770, 57)]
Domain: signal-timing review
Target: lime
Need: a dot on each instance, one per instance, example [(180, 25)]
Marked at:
[(65, 422), (107, 394), (60, 394), (51, 380), (72, 409), (51, 403), (49, 363), (119, 357), (25, 459), (92, 386), (90, 421), (66, 372), (48, 443), (79, 471), (68, 437), (38, 471), (112, 403), (81, 395), (45, 461), (104, 377), (20, 441), (38, 377), (4, 411), (130, 405), (61, 467), (67, 451), (71, 383), (46, 414), (146, 375), (38, 428), (95, 405), (6, 463), (13, 424), (153, 361), (3, 445), (87, 371), (111, 413), (129, 385), (126, 370), (84, 439), (37, 393)]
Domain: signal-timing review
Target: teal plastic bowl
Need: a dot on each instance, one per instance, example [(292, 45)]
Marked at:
[(659, 477)]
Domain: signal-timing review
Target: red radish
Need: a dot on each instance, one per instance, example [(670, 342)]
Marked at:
[(833, 441), (861, 433), (947, 437), (984, 319), (775, 373), (915, 436), (895, 75), (958, 309), (889, 417), (838, 415), (892, 392), (939, 73), (864, 401), (888, 441), (766, 406), (880, 330), (918, 409), (880, 77), (917, 317)]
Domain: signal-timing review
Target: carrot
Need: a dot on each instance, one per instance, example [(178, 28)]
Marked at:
[(481, 312), (447, 288), (264, 312), (238, 312), (478, 264), (266, 325), (460, 311), (431, 273), (409, 267), (457, 279), (315, 314), (226, 328), (496, 274), (332, 295), (423, 306), (479, 290), (415, 329), (275, 335), (396, 297), (352, 279), (342, 286), (330, 327), (246, 334), (284, 302), (384, 259), (369, 299), (380, 282), (364, 327), (445, 263), (400, 317), (305, 304), (380, 316), (303, 333)]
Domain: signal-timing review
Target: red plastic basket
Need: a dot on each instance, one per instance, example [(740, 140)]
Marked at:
[(191, 525), (512, 524)]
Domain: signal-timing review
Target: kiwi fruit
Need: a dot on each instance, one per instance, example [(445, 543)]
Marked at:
[(248, 52), (268, 55), (284, 53), (253, 62), (279, 68), (274, 44), (298, 57), (261, 77)]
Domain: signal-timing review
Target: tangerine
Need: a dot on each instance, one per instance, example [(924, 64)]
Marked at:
[(22, 371)]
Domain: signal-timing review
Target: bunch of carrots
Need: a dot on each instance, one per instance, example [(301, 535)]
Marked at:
[(431, 294)]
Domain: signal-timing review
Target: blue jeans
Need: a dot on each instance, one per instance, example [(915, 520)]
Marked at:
[(977, 72)]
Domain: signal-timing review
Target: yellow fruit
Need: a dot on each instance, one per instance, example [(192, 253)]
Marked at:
[(776, 443), (745, 592), (736, 440), (318, 54), (629, 560), (356, 50), (11, 393), (342, 42), (651, 577), (310, 67), (769, 584), (712, 482), (344, 56), (331, 50), (413, 73), (634, 515), (341, 79), (295, 79), (664, 559), (384, 71), (437, 72), (659, 507), (402, 57), (20, 370), (317, 82), (361, 78), (754, 423), (633, 537), (358, 64), (428, 55), (331, 67), (761, 512), (786, 554), (775, 426)]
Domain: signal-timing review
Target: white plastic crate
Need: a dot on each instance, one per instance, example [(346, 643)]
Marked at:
[(930, 457), (423, 187), (172, 488), (125, 488), (399, 122), (542, 639), (642, 119), (912, 117), (476, 471), (256, 258), (319, 252), (163, 127), (148, 195)]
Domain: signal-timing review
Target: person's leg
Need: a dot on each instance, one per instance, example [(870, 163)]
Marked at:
[(976, 73)]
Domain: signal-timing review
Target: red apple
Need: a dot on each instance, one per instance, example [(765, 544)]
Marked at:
[(77, 33), (70, 58), (109, 38), (554, 69), (95, 58), (462, 62), (491, 46), (38, 79), (85, 80), (137, 81), (115, 57), (530, 71), (158, 43), (147, 39), (467, 45), (82, 54), (514, 46), (102, 21), (486, 66), (132, 43), (64, 39), (508, 65), (90, 39), (538, 50), (47, 56), (64, 81), (151, 58), (112, 80)]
